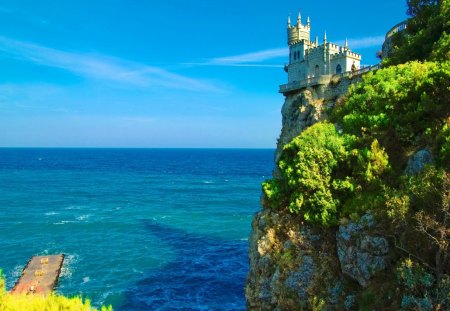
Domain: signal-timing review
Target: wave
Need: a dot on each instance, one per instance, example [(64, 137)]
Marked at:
[(83, 217), (68, 265), (63, 222)]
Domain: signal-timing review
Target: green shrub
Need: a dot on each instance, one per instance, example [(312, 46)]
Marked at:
[(322, 171), (416, 283), (399, 103), (308, 164)]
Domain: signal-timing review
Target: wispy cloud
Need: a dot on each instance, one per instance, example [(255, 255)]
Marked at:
[(259, 58), (360, 43), (101, 67), (250, 59)]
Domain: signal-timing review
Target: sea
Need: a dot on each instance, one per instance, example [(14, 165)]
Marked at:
[(141, 229)]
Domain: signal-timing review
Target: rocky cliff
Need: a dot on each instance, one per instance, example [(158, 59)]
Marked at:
[(296, 266)]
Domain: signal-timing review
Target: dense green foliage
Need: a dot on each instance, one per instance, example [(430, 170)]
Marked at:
[(308, 163), (394, 111), (401, 106), (427, 33), (40, 303), (325, 176)]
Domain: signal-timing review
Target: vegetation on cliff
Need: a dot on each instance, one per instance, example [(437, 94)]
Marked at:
[(427, 36), (40, 303), (386, 152)]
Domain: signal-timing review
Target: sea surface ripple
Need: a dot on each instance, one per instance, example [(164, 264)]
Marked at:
[(142, 229)]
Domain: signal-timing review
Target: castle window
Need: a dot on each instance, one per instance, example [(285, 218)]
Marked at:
[(338, 69), (316, 71), (295, 55), (298, 54)]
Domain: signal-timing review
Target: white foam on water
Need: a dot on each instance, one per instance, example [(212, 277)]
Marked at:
[(68, 265), (63, 222), (72, 207), (83, 217), (138, 271), (51, 213), (14, 275), (86, 279)]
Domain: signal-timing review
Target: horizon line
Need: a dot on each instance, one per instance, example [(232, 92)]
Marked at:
[(223, 148)]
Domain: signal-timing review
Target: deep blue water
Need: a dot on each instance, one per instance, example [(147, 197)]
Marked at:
[(142, 229)]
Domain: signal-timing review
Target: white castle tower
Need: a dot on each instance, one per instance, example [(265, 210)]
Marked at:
[(308, 59)]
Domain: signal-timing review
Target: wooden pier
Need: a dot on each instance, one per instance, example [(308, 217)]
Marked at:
[(40, 275)]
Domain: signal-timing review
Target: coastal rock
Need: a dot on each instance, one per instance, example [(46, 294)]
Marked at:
[(360, 253), (417, 162), (280, 261), (298, 112), (290, 260), (300, 279)]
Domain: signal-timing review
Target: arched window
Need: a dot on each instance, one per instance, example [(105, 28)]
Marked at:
[(338, 69), (295, 55), (316, 71), (298, 54)]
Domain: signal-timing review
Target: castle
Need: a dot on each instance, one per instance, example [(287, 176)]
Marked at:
[(309, 60)]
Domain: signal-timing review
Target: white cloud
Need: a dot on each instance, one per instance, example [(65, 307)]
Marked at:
[(360, 43), (258, 58), (250, 58), (101, 67)]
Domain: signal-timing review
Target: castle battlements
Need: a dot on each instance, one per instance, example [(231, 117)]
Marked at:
[(346, 53), (309, 60)]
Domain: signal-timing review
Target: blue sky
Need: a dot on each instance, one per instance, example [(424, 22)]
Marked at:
[(172, 73)]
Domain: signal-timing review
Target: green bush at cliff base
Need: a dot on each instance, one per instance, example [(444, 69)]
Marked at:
[(10, 302), (321, 169), (308, 162)]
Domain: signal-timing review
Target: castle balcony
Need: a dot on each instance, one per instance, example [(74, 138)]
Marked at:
[(298, 85), (323, 79), (359, 72)]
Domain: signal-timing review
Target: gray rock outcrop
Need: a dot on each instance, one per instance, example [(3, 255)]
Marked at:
[(418, 161), (361, 254)]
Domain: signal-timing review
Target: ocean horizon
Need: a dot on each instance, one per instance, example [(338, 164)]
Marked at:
[(141, 228)]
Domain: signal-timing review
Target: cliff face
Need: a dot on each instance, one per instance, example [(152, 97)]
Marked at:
[(308, 106), (293, 265)]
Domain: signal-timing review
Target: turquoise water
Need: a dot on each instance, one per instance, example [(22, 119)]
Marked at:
[(142, 229)]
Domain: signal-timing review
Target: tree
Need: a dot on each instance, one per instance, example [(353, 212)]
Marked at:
[(428, 23)]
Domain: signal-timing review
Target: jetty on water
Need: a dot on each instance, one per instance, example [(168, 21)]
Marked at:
[(40, 275)]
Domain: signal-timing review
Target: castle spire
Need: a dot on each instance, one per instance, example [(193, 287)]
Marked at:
[(325, 37), (299, 19), (317, 40), (308, 22), (346, 44), (289, 21)]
